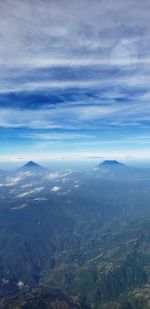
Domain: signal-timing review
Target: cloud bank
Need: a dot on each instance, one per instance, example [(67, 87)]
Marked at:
[(74, 74)]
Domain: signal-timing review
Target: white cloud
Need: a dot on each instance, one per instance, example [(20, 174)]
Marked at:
[(76, 186), (24, 118), (11, 181), (26, 174), (25, 194), (19, 207), (27, 185), (57, 136), (58, 33), (55, 45), (40, 199), (60, 27), (55, 189), (57, 175)]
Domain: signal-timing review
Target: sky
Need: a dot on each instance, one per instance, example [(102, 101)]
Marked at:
[(74, 80)]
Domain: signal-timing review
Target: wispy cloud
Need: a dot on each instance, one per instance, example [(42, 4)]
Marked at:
[(19, 207), (56, 117), (72, 71), (28, 193)]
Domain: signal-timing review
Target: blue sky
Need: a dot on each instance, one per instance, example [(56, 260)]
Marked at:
[(74, 80)]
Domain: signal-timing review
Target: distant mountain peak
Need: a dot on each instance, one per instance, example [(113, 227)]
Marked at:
[(111, 162), (31, 165)]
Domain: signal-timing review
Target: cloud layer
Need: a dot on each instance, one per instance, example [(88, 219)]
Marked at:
[(74, 74)]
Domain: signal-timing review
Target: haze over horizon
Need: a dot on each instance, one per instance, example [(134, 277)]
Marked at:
[(74, 83)]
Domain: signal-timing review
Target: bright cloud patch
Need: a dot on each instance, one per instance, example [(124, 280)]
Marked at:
[(55, 189), (40, 199), (57, 175)]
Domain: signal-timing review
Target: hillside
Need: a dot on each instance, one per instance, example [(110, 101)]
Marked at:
[(80, 234)]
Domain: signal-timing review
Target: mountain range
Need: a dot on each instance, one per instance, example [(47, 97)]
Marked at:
[(75, 239), (35, 167)]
